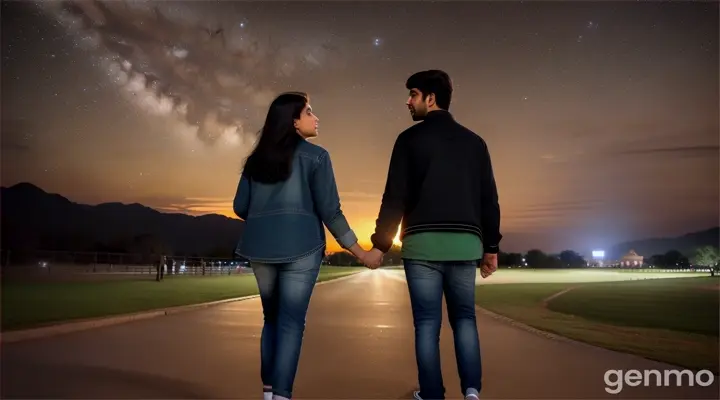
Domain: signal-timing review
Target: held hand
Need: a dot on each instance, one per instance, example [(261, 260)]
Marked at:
[(374, 258), (488, 265), (360, 254), (362, 257)]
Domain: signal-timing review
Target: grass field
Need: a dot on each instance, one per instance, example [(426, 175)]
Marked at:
[(671, 320), (26, 305), (579, 275)]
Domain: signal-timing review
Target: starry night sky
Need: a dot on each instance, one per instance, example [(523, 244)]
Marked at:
[(601, 117)]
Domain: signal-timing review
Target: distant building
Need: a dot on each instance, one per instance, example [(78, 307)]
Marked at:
[(631, 259)]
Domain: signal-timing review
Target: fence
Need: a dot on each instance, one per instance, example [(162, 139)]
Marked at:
[(38, 263)]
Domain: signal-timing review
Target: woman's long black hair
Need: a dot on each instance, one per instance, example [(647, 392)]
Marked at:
[(271, 160)]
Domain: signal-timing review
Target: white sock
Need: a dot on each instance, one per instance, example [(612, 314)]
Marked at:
[(267, 393)]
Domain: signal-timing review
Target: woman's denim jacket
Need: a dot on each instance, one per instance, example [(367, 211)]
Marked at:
[(284, 220)]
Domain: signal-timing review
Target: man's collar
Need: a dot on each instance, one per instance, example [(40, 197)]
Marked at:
[(438, 114)]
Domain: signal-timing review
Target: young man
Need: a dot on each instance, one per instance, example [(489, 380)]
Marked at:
[(441, 186)]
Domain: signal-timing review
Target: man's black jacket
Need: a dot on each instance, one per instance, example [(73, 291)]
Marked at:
[(440, 179)]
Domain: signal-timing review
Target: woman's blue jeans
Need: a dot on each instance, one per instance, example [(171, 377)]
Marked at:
[(285, 291)]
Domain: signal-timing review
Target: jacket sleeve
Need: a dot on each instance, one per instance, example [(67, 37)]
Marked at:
[(490, 212), (241, 204), (392, 208), (327, 202)]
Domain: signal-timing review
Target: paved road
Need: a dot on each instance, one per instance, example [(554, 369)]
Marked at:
[(359, 345)]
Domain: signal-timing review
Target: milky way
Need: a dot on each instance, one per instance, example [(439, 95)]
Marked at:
[(172, 60)]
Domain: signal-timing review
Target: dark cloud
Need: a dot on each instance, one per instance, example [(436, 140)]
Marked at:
[(687, 151), (563, 206), (543, 212), (12, 146), (655, 139)]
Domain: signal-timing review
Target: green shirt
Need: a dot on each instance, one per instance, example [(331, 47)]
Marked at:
[(442, 246)]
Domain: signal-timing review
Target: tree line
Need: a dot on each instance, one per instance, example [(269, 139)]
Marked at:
[(707, 256)]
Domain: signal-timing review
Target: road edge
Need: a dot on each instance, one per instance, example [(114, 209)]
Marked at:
[(554, 336), (86, 324), (523, 326), (533, 330)]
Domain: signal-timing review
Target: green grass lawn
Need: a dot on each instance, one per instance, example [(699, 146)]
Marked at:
[(683, 305), (671, 320), (567, 275), (27, 305)]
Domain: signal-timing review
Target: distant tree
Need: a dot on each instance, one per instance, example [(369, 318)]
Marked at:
[(510, 259), (503, 260), (552, 261), (675, 259), (708, 256), (571, 259), (516, 259), (393, 256), (658, 260), (342, 258), (535, 258)]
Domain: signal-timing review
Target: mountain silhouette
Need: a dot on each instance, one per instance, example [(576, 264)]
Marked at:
[(686, 244), (33, 219)]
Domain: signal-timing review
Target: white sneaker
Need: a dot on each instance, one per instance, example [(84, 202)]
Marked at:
[(267, 395), (416, 395), (472, 394)]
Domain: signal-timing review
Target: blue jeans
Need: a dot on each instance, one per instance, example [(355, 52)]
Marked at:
[(285, 290), (427, 281)]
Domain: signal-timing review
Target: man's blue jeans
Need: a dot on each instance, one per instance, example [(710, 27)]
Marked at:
[(285, 291), (427, 281)]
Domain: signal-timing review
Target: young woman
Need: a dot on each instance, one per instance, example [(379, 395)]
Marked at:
[(286, 194)]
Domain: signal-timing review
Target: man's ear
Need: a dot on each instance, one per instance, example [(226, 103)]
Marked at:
[(430, 100)]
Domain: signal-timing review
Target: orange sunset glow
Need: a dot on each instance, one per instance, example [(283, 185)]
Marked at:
[(362, 223), (359, 208)]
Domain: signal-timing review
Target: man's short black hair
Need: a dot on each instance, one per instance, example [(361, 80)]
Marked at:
[(432, 81)]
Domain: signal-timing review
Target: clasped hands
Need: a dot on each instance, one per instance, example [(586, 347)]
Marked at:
[(374, 258)]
